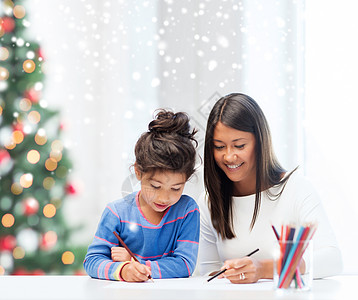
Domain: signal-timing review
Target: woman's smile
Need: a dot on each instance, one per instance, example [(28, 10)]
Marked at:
[(234, 167)]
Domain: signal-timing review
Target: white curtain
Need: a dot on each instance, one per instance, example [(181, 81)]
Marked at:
[(112, 63)]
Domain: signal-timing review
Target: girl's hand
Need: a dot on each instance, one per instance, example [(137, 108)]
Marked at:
[(243, 270), (119, 254), (135, 271)]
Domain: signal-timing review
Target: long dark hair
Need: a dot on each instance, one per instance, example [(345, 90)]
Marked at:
[(240, 112), (169, 144)]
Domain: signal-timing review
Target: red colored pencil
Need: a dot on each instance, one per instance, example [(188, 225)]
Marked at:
[(129, 250)]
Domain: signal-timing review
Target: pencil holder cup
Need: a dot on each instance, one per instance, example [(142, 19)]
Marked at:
[(293, 265)]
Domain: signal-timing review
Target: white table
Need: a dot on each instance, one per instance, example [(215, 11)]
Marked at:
[(83, 287)]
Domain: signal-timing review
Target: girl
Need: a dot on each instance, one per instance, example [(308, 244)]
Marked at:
[(158, 224), (248, 191)]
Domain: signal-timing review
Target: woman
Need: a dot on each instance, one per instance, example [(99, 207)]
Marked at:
[(247, 191)]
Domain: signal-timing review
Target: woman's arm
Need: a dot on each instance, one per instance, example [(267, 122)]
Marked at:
[(209, 259)]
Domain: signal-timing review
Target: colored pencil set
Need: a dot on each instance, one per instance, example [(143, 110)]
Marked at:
[(293, 242)]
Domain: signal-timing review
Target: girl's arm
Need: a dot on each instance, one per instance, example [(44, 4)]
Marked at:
[(98, 262)]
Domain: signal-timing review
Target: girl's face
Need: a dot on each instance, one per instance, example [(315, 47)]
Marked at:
[(234, 153), (161, 189)]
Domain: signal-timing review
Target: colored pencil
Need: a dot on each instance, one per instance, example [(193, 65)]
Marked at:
[(128, 250), (291, 251), (222, 271)]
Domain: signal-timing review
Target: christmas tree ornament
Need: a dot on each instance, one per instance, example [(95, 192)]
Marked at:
[(71, 189), (7, 24), (6, 162), (37, 272), (7, 243), (6, 260), (33, 95), (30, 206), (28, 239), (49, 240)]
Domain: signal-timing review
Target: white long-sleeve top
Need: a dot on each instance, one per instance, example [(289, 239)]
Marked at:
[(298, 204)]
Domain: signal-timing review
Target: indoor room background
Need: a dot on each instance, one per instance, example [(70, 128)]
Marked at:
[(111, 64)]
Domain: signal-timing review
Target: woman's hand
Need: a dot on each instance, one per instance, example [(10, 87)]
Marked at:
[(119, 254), (135, 271), (247, 270)]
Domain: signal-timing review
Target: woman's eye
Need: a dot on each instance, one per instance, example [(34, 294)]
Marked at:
[(218, 147), (240, 146), (155, 187), (176, 190)]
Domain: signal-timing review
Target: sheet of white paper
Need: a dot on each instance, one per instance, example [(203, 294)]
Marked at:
[(192, 283)]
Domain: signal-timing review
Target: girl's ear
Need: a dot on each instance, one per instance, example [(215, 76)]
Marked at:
[(138, 174)]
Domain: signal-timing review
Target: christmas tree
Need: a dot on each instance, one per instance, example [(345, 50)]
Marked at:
[(34, 164)]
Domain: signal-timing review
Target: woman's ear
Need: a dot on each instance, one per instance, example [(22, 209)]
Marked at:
[(138, 173)]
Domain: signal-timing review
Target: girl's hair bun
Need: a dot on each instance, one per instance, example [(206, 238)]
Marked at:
[(167, 122), (168, 145)]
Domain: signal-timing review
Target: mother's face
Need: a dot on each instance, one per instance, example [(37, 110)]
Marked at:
[(234, 153)]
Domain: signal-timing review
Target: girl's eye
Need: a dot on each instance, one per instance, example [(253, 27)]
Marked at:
[(155, 187), (176, 190)]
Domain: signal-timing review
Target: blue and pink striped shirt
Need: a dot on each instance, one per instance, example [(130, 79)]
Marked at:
[(169, 248)]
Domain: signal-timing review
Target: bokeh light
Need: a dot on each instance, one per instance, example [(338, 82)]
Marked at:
[(34, 117), (40, 137), (51, 164), (4, 53), (48, 183), (10, 145), (61, 172), (56, 155), (25, 104), (29, 66), (68, 258), (17, 136), (57, 145), (7, 220), (33, 156), (18, 252), (49, 239), (4, 73), (49, 210), (26, 180), (19, 11), (16, 188)]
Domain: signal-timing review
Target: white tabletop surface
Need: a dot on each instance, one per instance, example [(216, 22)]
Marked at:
[(84, 287)]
